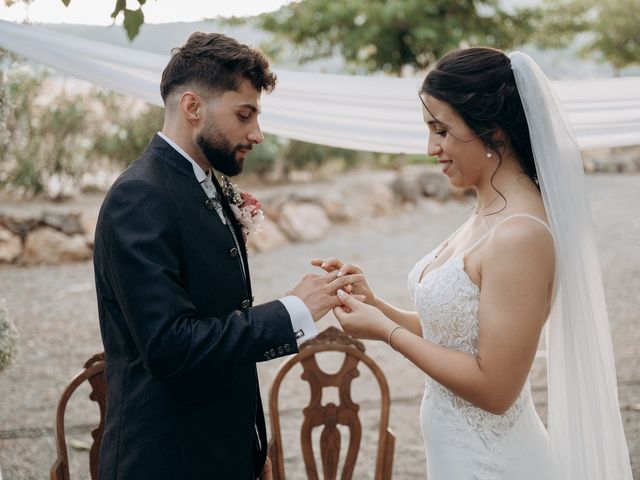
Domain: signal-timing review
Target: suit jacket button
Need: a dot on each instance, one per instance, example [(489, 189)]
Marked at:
[(233, 253), (209, 204), (287, 347), (272, 352), (266, 355), (280, 351), (245, 304)]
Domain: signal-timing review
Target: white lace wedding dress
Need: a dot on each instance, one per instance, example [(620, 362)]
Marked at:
[(464, 442)]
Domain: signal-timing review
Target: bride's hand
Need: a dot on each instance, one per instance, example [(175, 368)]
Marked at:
[(360, 287), (361, 320)]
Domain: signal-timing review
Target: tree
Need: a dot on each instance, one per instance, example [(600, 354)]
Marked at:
[(133, 19), (608, 28), (389, 35)]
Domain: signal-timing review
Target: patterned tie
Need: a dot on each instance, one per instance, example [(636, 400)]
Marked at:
[(214, 196)]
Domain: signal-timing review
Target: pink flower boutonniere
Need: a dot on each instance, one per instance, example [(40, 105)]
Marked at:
[(246, 207)]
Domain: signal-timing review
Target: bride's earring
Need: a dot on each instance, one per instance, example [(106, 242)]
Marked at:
[(489, 154)]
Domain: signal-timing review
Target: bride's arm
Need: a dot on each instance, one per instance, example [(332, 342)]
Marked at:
[(517, 274), (405, 318)]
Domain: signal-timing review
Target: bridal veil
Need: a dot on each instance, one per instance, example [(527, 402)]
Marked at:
[(586, 437)]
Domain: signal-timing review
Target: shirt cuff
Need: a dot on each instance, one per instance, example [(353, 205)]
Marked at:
[(302, 322)]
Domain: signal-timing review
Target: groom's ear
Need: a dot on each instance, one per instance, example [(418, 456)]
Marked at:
[(190, 106)]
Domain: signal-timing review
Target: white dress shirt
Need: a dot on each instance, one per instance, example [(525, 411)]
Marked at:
[(301, 320)]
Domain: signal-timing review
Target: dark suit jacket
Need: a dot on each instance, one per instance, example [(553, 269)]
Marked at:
[(180, 335)]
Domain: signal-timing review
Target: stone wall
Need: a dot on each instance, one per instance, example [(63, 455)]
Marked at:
[(46, 237), (302, 213), (612, 160)]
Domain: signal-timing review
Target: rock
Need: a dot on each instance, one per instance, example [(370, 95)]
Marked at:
[(589, 165), (272, 206), (46, 245), (89, 221), (369, 200), (337, 207), (268, 238), (434, 185), (10, 245), (381, 198), (305, 197), (406, 189), (20, 224), (304, 222), (68, 223)]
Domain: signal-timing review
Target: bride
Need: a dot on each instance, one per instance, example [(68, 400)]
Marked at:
[(524, 259)]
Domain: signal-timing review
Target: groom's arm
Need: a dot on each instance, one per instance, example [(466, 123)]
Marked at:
[(304, 328), (143, 270), (143, 267)]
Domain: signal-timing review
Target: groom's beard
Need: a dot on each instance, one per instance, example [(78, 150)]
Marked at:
[(219, 152)]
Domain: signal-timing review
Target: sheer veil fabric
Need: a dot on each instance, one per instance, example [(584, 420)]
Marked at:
[(586, 438)]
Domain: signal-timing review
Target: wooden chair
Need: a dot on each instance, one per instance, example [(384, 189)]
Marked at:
[(94, 373), (330, 415)]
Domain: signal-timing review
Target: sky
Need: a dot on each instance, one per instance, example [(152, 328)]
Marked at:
[(97, 12)]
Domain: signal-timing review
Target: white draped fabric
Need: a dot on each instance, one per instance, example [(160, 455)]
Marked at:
[(371, 113)]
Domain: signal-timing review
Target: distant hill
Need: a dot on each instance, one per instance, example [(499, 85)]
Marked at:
[(161, 38)]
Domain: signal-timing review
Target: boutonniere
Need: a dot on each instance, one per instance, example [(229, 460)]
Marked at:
[(246, 208)]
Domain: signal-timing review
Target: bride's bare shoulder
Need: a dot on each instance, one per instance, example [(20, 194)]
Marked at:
[(523, 239)]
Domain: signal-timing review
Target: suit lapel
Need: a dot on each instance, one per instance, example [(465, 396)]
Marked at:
[(237, 228), (160, 150)]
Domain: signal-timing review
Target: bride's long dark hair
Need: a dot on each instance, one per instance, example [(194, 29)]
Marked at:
[(478, 83)]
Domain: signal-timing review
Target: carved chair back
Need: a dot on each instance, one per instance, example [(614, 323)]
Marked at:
[(329, 416), (93, 372)]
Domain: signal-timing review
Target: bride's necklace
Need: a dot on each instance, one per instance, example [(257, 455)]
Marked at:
[(478, 208), (485, 207)]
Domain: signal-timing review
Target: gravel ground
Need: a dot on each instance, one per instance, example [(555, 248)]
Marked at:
[(55, 310)]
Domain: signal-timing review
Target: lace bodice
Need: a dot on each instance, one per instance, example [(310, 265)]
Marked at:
[(447, 303)]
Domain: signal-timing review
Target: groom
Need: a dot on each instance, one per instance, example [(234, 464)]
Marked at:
[(180, 331)]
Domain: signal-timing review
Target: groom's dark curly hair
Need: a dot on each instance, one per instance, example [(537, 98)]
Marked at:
[(217, 63)]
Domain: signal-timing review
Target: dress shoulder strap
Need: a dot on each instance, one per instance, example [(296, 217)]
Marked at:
[(482, 239)]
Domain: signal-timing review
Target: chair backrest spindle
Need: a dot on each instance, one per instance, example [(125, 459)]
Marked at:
[(93, 372), (331, 416)]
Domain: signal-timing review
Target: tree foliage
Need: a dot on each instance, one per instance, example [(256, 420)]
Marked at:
[(125, 131), (608, 29), (133, 19), (389, 35), (50, 138), (43, 132)]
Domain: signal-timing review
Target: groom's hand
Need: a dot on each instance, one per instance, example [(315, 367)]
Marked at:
[(318, 292), (357, 288)]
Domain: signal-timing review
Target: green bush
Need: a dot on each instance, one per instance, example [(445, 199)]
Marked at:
[(124, 133), (265, 157), (302, 156), (45, 133)]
